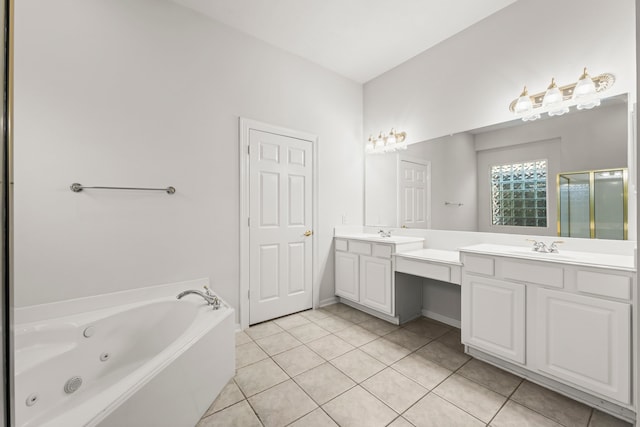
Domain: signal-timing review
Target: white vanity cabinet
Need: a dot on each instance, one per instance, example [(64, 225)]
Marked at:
[(347, 277), (494, 316), (563, 324), (364, 273), (585, 341), (375, 283)]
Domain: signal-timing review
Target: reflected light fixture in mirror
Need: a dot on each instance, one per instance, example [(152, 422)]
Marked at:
[(387, 143), (555, 101)]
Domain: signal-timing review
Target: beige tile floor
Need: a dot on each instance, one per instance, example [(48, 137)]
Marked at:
[(337, 366)]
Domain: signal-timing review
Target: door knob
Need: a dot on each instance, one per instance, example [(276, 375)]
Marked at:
[(308, 233)]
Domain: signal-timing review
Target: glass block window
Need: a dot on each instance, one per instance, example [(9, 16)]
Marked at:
[(519, 194)]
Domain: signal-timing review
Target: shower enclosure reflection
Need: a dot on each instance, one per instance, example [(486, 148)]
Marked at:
[(593, 204)]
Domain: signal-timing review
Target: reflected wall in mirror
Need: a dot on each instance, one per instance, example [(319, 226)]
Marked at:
[(458, 191), (593, 204)]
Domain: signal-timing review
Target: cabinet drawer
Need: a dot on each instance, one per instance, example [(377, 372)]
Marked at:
[(608, 285), (361, 248), (479, 265), (423, 269), (538, 273), (341, 245), (382, 251)]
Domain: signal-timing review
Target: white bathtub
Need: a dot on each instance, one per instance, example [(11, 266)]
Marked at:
[(149, 360)]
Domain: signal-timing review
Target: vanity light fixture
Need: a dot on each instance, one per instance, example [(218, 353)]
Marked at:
[(555, 101), (387, 143)]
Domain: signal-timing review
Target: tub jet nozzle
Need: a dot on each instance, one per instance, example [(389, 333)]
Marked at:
[(72, 384)]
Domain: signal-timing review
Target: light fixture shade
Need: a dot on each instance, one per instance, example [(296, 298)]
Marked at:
[(584, 94), (524, 107), (391, 138), (370, 146), (553, 101), (531, 117), (524, 104), (386, 143)]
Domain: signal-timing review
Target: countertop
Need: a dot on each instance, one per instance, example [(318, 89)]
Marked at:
[(590, 259), (433, 255), (378, 239)]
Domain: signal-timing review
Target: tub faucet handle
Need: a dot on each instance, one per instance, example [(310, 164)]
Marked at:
[(207, 290)]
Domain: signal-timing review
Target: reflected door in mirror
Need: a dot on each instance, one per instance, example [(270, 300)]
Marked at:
[(414, 179)]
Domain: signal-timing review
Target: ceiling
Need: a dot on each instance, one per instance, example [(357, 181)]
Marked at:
[(359, 39)]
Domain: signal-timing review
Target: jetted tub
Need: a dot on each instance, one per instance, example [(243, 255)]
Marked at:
[(134, 358)]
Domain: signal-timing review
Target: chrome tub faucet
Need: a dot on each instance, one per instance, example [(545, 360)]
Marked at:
[(208, 296)]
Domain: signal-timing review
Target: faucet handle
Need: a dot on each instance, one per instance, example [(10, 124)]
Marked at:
[(536, 244), (207, 290), (553, 248)]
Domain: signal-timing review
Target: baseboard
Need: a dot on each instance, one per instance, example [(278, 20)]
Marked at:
[(238, 327), (440, 318), (375, 313), (328, 301)]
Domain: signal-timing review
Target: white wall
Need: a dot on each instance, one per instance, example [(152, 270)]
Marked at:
[(585, 140), (468, 81), (147, 93)]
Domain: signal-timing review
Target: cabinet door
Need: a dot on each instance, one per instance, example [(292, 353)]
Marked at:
[(585, 341), (347, 283), (493, 317), (375, 283)]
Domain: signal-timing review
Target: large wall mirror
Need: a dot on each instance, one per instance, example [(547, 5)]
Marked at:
[(501, 178)]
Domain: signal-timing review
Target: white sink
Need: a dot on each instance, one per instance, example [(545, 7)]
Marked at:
[(572, 257), (563, 255)]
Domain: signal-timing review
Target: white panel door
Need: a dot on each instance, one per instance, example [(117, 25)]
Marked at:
[(280, 219), (413, 189), (347, 282), (493, 316), (585, 341), (375, 284)]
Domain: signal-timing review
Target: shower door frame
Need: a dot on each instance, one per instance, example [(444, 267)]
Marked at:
[(6, 207), (592, 202)]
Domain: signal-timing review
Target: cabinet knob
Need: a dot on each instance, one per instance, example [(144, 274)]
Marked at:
[(308, 233)]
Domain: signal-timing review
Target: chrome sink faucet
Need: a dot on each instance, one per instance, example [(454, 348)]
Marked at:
[(543, 248), (208, 296), (382, 233)]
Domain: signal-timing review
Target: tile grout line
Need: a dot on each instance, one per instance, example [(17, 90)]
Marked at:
[(360, 383), (544, 415), (505, 402)]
